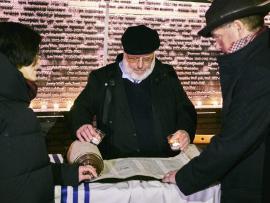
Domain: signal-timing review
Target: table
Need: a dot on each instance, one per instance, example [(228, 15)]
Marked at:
[(133, 191)]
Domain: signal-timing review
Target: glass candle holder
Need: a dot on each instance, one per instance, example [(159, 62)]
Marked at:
[(174, 143), (97, 140)]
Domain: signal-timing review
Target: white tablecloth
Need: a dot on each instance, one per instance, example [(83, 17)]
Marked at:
[(134, 191)]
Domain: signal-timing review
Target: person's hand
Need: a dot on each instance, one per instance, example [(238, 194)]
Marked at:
[(87, 173), (182, 137), (86, 133), (169, 177)]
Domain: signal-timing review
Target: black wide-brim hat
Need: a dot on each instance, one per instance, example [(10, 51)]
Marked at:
[(224, 11), (138, 40)]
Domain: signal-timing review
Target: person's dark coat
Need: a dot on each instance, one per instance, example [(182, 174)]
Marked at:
[(266, 174), (25, 172), (235, 157), (171, 108)]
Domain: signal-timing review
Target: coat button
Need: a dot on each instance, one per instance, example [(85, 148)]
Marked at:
[(134, 134), (138, 150), (110, 122)]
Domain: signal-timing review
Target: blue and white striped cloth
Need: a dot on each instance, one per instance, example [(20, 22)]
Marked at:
[(69, 194), (133, 191)]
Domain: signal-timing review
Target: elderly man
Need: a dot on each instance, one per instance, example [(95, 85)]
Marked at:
[(137, 101), (235, 157)]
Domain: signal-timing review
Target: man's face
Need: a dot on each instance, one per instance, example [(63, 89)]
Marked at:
[(225, 36), (139, 66)]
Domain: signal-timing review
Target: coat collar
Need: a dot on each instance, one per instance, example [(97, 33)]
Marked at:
[(232, 66), (243, 55)]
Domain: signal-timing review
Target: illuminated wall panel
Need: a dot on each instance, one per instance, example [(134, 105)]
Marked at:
[(80, 36)]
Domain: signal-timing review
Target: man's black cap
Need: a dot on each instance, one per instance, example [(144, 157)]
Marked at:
[(140, 39)]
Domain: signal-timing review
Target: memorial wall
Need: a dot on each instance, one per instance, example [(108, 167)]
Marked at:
[(80, 36)]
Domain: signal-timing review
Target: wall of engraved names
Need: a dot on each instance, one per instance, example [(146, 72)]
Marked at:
[(80, 36)]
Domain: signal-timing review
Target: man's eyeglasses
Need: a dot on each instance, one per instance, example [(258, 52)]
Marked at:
[(137, 59)]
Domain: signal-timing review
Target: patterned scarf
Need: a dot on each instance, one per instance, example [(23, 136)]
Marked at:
[(241, 43), (32, 89)]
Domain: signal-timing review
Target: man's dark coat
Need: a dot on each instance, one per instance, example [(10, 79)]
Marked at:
[(235, 157), (172, 110)]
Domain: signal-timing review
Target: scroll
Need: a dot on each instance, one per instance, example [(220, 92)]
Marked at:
[(126, 168)]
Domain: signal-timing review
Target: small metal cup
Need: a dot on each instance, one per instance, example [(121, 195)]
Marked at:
[(97, 140)]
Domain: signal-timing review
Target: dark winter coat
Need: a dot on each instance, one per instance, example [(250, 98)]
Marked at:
[(25, 173), (235, 157), (171, 110)]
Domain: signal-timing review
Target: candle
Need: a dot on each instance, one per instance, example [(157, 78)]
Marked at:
[(56, 106)]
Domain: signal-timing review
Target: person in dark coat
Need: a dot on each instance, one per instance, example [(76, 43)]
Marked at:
[(235, 157), (137, 101), (26, 175), (266, 174)]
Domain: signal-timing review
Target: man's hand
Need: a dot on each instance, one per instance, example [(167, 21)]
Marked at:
[(169, 177), (182, 137), (87, 173), (86, 133)]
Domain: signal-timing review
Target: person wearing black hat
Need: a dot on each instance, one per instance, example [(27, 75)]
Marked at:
[(137, 101), (235, 157)]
